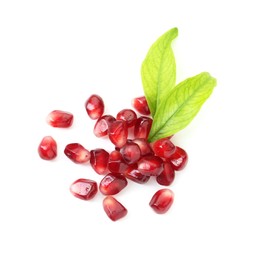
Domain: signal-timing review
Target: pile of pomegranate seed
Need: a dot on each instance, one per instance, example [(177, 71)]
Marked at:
[(133, 157)]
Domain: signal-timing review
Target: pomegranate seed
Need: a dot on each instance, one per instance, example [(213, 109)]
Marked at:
[(163, 148), (94, 106), (162, 201), (141, 105), (84, 189), (47, 148), (77, 153), (99, 160), (130, 152), (112, 184), (142, 127), (58, 118), (129, 168), (128, 115), (102, 125), (179, 159), (167, 175), (150, 165), (118, 133), (113, 208), (136, 176), (116, 163), (144, 146)]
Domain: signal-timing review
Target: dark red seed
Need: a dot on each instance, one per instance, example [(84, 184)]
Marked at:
[(118, 133), (84, 189), (162, 201), (136, 176), (144, 146), (102, 125), (58, 118), (150, 165), (116, 163), (113, 208), (94, 106), (127, 115), (99, 160), (112, 184), (130, 152), (142, 127), (167, 175), (163, 148), (179, 159), (47, 148), (140, 105), (77, 153)]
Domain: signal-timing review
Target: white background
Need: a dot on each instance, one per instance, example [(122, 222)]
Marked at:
[(53, 55)]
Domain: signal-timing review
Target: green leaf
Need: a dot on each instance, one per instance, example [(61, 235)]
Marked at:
[(179, 108), (158, 70)]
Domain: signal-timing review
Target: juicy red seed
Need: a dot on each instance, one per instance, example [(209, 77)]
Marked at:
[(141, 105), (128, 115), (102, 125), (99, 160), (142, 127), (163, 148), (84, 189), (150, 165), (112, 184), (77, 153), (167, 175), (94, 106), (130, 152), (116, 163), (144, 146), (47, 148), (136, 176), (113, 208), (129, 168), (118, 133), (179, 159), (162, 201), (58, 118)]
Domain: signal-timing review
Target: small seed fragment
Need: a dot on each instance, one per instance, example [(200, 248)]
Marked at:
[(47, 148), (162, 201), (113, 208), (84, 189)]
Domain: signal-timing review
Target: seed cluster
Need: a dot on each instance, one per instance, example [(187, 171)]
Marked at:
[(133, 157)]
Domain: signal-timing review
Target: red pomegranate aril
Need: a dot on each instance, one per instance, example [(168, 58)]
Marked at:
[(112, 184), (94, 106), (84, 189), (102, 125), (179, 159), (113, 208), (136, 176), (150, 165), (163, 148), (142, 127), (47, 148), (99, 160), (127, 115), (59, 118), (130, 152), (118, 133), (140, 104), (77, 153), (129, 168), (144, 146), (162, 201), (116, 163), (167, 175)]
